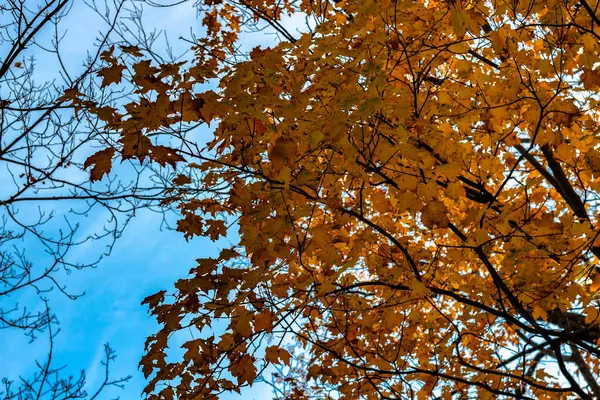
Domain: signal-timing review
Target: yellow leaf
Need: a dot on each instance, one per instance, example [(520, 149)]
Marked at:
[(451, 170), (455, 190), (459, 22), (418, 286), (434, 215), (460, 47)]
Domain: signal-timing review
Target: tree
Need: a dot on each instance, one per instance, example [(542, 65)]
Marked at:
[(415, 188), (47, 203)]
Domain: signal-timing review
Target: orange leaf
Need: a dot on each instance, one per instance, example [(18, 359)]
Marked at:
[(595, 285)]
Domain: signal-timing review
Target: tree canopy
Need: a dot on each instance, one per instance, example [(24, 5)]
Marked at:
[(415, 188)]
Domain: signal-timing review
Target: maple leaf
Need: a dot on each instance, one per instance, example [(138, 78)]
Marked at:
[(101, 162), (211, 22), (592, 316), (133, 50), (590, 79), (107, 55), (208, 102), (313, 371), (105, 113), (263, 321), (135, 145), (435, 215), (155, 299), (595, 285), (539, 313), (112, 74), (71, 94), (216, 228), (243, 326), (277, 355), (244, 370), (165, 155), (459, 22), (283, 152), (181, 180)]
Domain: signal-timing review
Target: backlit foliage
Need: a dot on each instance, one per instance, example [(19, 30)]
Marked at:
[(415, 186)]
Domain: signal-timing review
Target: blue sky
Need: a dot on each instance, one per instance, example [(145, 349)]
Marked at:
[(143, 261)]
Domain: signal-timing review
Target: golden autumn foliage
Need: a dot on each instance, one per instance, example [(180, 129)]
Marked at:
[(415, 187)]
